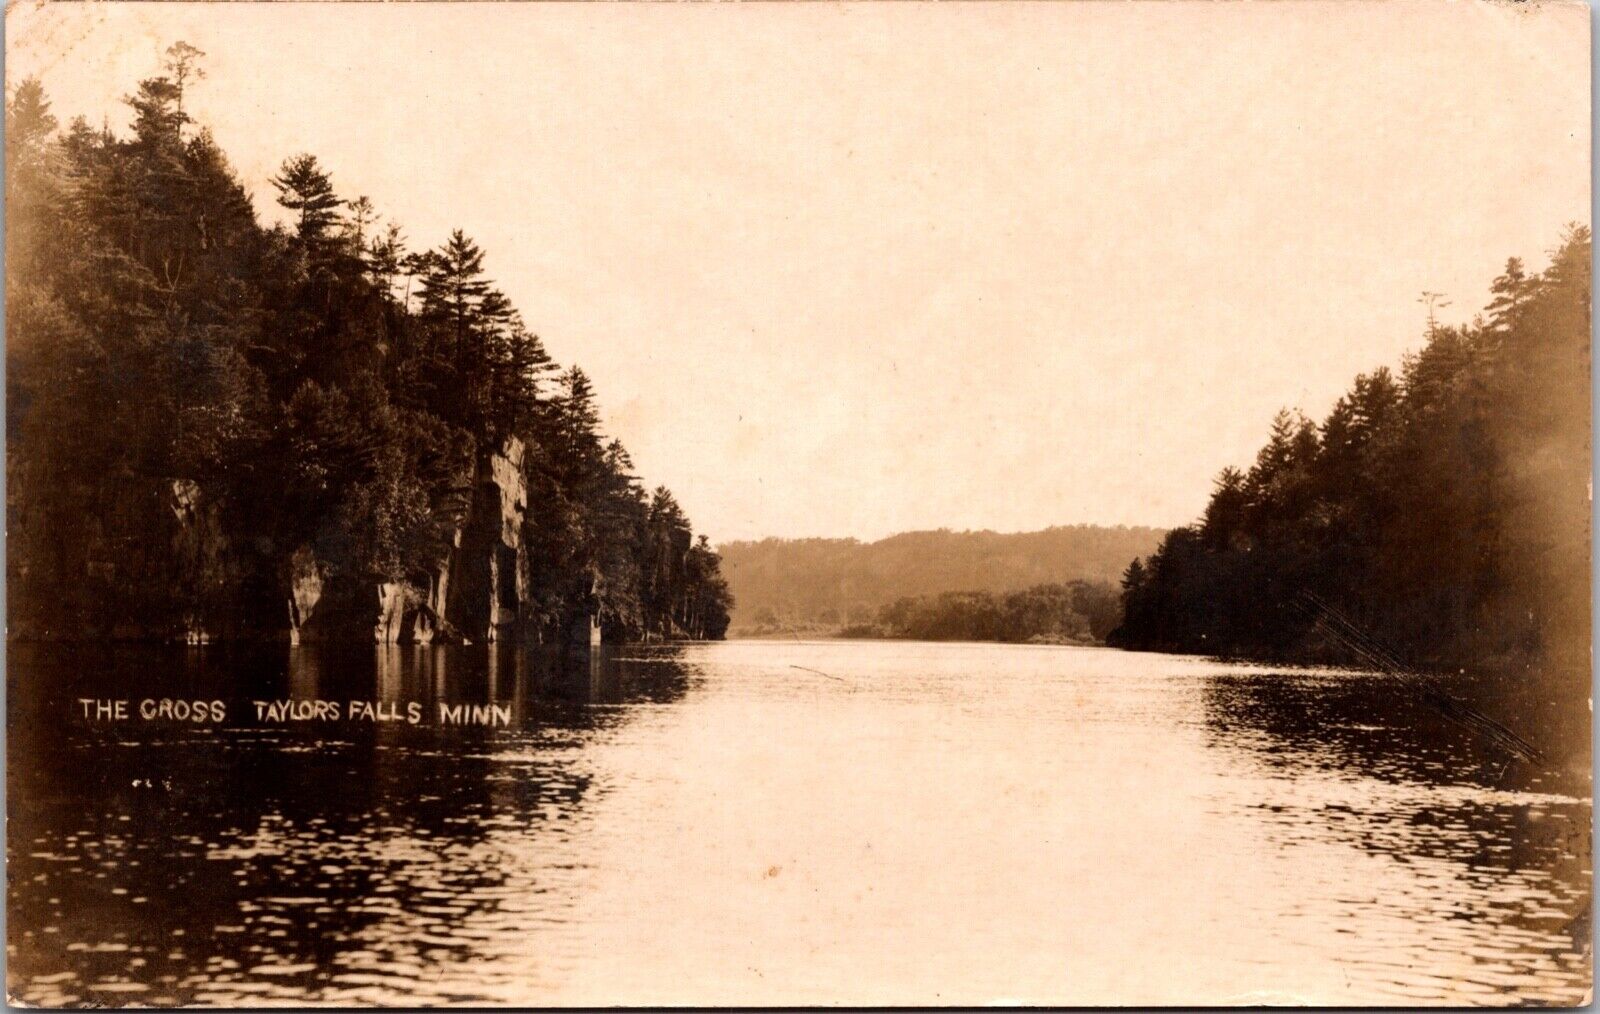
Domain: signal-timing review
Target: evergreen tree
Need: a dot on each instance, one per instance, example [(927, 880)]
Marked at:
[(1445, 510), (162, 344), (306, 189)]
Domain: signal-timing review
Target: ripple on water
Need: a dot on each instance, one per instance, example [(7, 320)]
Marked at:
[(995, 821)]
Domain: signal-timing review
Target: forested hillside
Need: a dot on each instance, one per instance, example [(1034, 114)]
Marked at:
[(820, 585), (1079, 612), (1443, 510), (219, 428)]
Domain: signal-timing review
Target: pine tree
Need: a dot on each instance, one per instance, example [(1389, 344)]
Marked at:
[(28, 118), (160, 339), (306, 189), (158, 117), (1510, 290), (183, 65), (1446, 509)]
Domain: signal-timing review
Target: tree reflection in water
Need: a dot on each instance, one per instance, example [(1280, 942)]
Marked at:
[(1498, 849), (309, 858)]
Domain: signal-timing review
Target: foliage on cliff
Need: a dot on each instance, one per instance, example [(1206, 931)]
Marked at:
[(310, 385), (1445, 510), (1079, 612)]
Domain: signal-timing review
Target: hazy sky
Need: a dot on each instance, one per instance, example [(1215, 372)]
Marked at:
[(850, 270)]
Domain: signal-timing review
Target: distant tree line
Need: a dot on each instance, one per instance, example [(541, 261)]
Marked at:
[(820, 585), (1078, 612), (315, 384), (1444, 510)]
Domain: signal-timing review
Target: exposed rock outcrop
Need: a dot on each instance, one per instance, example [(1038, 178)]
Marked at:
[(157, 564), (488, 579), (305, 591), (338, 608), (146, 559), (202, 564), (477, 593)]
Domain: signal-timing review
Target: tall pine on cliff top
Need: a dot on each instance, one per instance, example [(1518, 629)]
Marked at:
[(315, 385)]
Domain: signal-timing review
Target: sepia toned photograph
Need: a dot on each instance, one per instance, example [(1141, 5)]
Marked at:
[(798, 504)]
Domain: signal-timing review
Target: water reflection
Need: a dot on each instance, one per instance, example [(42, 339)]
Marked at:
[(776, 823), (1496, 851), (166, 862)]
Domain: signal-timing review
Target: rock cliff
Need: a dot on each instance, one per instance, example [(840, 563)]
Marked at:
[(477, 593), (155, 562)]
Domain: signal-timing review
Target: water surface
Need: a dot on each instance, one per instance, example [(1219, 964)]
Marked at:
[(778, 823)]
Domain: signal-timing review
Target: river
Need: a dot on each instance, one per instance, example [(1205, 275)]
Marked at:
[(776, 823)]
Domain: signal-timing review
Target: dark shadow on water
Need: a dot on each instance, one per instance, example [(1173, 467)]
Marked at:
[(1365, 725), (166, 861), (1500, 849)]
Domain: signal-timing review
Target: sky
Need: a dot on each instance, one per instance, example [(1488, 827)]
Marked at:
[(848, 270)]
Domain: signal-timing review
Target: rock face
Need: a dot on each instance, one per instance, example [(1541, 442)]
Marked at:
[(583, 631), (305, 591), (488, 569), (133, 559), (477, 593), (201, 562), (154, 562)]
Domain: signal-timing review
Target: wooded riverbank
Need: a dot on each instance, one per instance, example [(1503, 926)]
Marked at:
[(1437, 519), (220, 429)]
